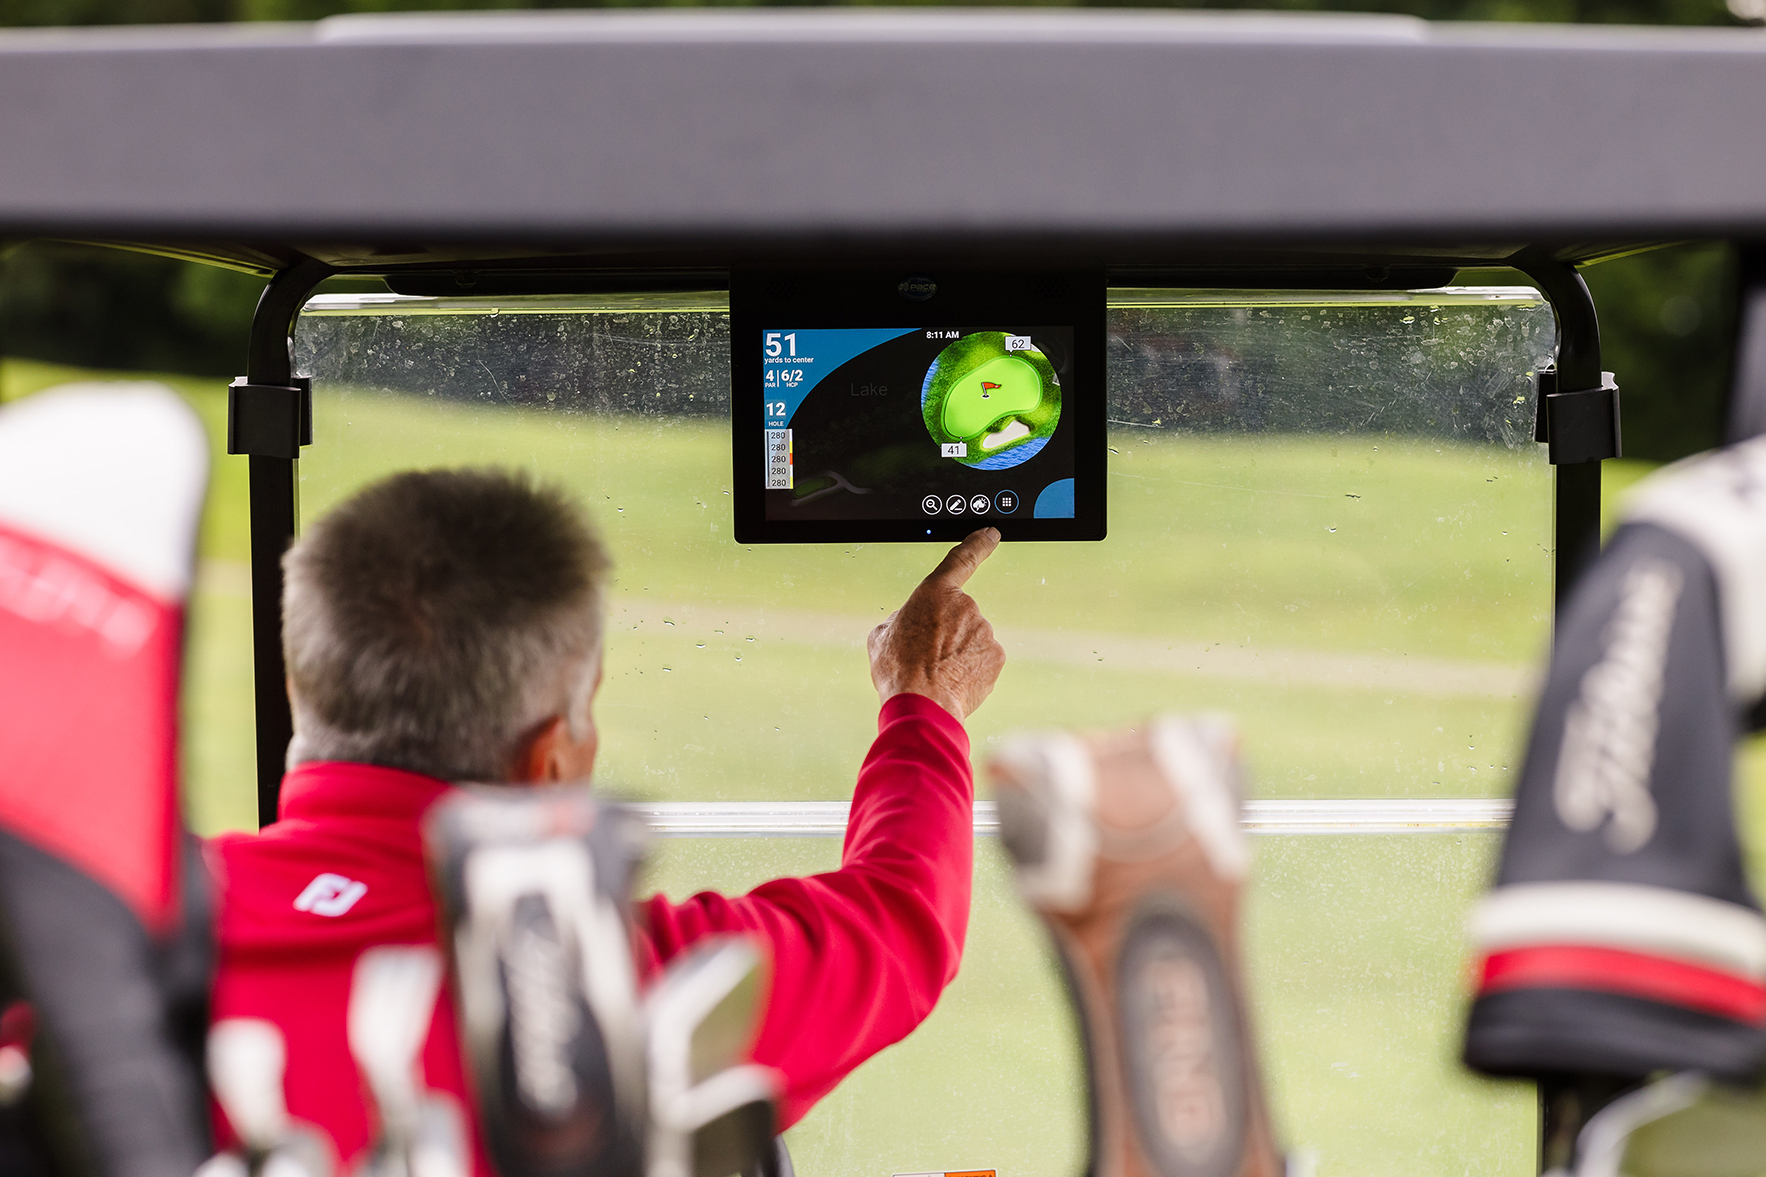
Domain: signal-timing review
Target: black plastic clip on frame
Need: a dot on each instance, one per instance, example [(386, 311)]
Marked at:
[(269, 417), (269, 420), (1578, 415)]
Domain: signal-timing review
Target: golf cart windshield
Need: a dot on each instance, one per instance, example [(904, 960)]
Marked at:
[(1328, 516)]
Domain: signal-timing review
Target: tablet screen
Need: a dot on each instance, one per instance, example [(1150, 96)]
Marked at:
[(917, 423), (870, 407)]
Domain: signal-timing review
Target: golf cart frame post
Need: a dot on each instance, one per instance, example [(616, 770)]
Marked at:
[(269, 417)]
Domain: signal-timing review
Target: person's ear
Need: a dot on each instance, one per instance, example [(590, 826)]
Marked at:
[(542, 760)]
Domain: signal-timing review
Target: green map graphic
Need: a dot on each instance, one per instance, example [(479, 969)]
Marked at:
[(1001, 405)]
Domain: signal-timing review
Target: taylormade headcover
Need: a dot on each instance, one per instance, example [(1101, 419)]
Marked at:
[(1621, 936)]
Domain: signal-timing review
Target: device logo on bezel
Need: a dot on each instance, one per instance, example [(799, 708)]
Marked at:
[(917, 287)]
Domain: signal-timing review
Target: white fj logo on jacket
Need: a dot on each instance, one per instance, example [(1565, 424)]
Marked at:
[(330, 894)]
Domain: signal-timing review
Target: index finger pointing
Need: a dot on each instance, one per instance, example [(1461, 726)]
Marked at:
[(960, 563)]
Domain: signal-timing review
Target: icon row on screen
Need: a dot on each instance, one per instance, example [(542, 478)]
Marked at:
[(1003, 503)]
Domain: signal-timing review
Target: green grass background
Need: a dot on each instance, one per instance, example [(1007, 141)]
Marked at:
[(738, 673)]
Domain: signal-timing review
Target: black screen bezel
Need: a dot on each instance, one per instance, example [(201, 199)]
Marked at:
[(762, 300)]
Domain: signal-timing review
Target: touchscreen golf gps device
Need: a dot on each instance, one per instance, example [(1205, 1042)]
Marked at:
[(911, 405)]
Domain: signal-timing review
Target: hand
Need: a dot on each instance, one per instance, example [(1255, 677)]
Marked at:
[(938, 644)]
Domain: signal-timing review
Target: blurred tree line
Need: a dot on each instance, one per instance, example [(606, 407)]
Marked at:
[(1665, 315)]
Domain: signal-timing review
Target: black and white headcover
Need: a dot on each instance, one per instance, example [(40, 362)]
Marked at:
[(1622, 936), (575, 1074), (534, 886)]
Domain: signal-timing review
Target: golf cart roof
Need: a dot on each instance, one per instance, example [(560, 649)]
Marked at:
[(669, 141)]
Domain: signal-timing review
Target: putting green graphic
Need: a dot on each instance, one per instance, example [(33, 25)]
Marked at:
[(1001, 405)]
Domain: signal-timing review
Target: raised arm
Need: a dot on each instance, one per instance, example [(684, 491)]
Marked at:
[(861, 954)]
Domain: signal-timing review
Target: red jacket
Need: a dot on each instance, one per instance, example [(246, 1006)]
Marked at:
[(860, 955)]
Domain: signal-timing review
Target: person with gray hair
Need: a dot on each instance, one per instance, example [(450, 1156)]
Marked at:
[(445, 627), (395, 658)]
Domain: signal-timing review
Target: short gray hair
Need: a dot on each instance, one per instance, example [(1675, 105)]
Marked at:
[(435, 619)]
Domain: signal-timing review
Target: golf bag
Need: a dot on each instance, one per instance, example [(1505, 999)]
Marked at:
[(1621, 936), (1129, 845), (573, 1072), (104, 921)]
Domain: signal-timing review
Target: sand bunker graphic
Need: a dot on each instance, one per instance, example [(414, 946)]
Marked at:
[(1003, 405)]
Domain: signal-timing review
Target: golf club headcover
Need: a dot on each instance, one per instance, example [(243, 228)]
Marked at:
[(247, 1058), (711, 1112), (534, 887), (103, 907), (1129, 846), (1621, 936), (420, 1132)]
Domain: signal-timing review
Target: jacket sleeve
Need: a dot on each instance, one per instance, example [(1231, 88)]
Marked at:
[(861, 954)]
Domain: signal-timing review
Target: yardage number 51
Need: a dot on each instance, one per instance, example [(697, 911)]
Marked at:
[(775, 349)]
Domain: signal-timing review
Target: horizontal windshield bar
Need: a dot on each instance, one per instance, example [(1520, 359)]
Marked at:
[(827, 819)]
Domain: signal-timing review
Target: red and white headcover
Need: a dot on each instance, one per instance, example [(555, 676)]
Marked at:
[(101, 489)]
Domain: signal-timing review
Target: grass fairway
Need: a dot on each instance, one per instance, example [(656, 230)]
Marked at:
[(1368, 608)]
